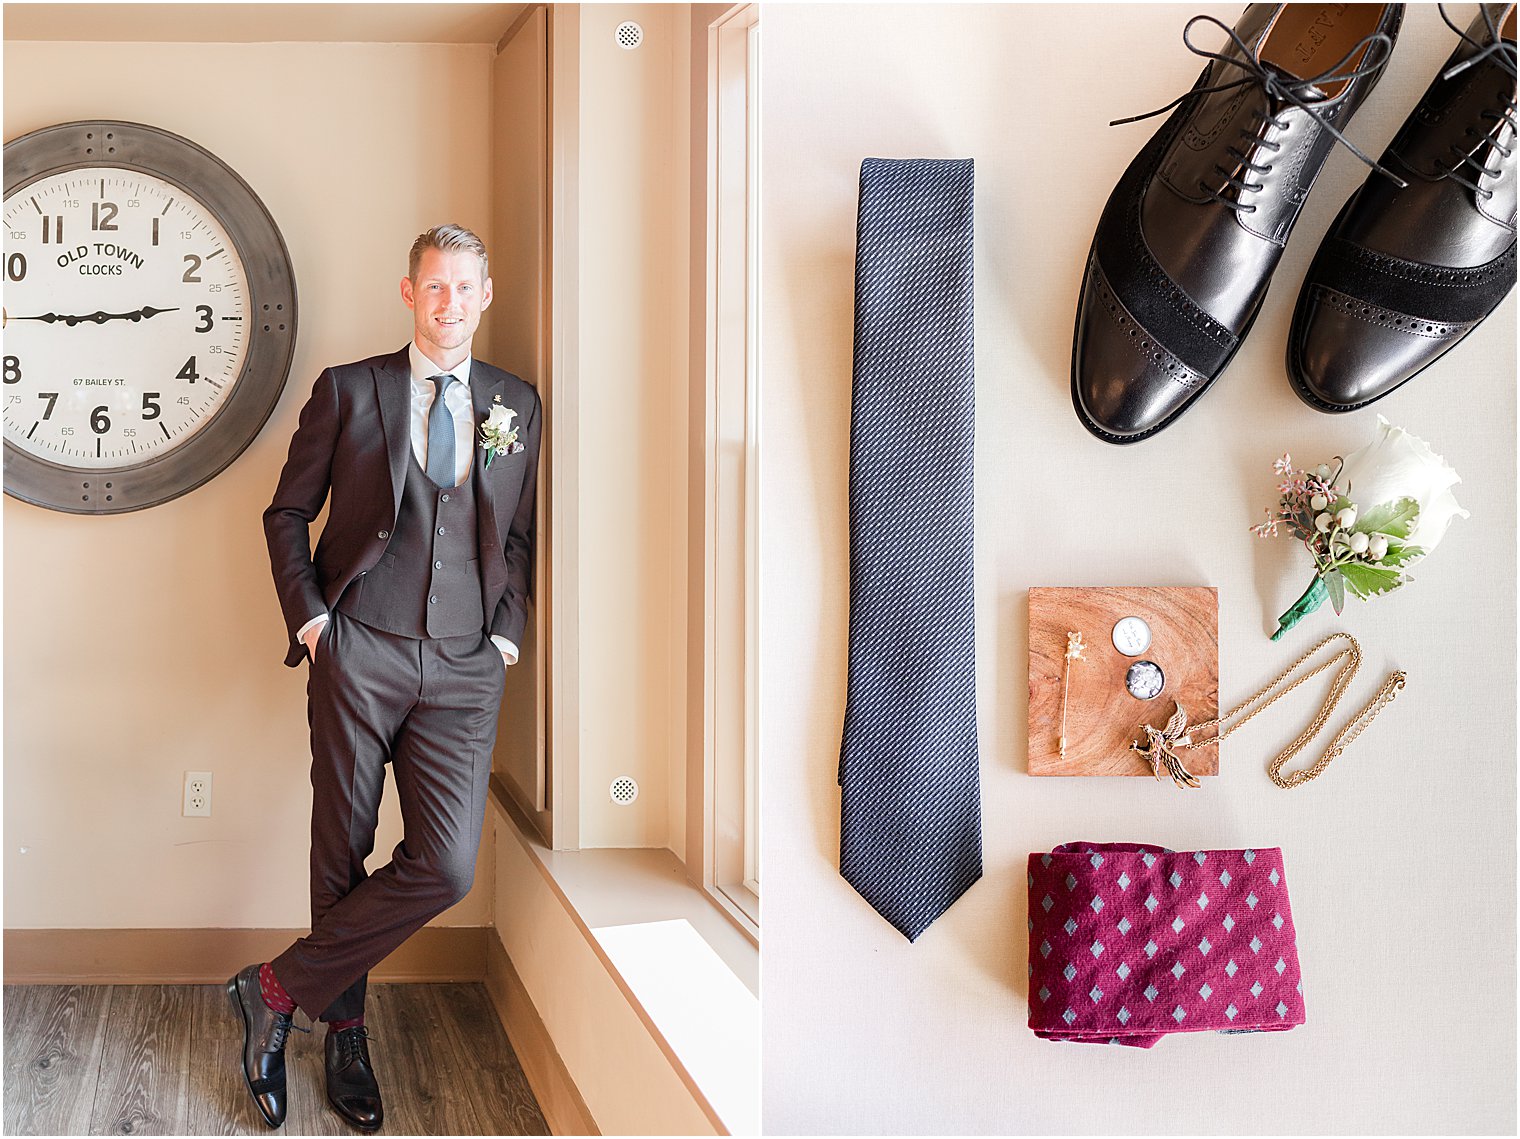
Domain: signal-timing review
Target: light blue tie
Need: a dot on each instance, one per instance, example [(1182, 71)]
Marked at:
[(440, 453)]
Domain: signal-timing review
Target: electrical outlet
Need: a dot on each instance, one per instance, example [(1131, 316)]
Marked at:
[(197, 793)]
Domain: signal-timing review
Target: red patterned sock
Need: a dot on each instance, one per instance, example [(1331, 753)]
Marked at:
[(351, 1022), (274, 993)]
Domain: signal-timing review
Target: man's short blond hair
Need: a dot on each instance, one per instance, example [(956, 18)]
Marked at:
[(449, 238)]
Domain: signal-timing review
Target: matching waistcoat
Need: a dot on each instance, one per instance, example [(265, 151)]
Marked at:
[(427, 583)]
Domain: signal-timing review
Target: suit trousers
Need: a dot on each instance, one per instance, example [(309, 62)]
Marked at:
[(429, 709)]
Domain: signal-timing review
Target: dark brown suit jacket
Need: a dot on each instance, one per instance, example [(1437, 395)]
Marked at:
[(353, 441)]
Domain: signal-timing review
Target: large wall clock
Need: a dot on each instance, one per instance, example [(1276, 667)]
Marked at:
[(149, 316)]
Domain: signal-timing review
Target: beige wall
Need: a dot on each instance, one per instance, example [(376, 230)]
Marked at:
[(140, 646), (633, 218), (518, 320)]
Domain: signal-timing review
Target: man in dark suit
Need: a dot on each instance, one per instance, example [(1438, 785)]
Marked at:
[(410, 611)]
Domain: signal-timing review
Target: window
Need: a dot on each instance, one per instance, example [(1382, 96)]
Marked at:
[(731, 807)]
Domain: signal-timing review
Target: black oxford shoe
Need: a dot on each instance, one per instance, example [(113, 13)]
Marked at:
[(352, 1088), (1405, 274), (1190, 237), (264, 1034)]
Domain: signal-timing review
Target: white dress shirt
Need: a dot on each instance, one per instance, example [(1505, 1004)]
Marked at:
[(459, 403)]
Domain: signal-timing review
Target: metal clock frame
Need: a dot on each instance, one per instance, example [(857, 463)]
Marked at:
[(256, 388)]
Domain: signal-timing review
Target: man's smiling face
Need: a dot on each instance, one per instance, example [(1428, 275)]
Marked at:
[(446, 300)]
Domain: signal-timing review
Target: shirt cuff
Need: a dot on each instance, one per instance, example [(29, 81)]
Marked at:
[(319, 619), (508, 649)]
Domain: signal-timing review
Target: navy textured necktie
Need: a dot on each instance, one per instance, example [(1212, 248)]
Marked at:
[(911, 819), (440, 464)]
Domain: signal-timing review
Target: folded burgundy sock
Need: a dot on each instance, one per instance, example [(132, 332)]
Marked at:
[(1128, 943)]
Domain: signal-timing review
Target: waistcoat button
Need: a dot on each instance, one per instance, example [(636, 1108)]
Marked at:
[(384, 534)]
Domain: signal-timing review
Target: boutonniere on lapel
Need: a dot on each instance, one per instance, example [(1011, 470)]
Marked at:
[(497, 435)]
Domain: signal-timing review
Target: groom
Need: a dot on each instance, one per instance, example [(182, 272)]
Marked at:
[(410, 611)]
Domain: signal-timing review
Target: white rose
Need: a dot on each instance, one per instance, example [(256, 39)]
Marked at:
[(1398, 465)]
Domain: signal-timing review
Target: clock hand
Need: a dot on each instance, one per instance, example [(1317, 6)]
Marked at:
[(94, 317)]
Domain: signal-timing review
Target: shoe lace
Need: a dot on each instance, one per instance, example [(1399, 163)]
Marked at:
[(1503, 55), (353, 1043), (283, 1023), (1282, 92)]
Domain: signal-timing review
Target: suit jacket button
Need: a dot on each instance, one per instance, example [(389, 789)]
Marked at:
[(445, 498), (440, 529), (433, 600), (437, 565), (384, 534)]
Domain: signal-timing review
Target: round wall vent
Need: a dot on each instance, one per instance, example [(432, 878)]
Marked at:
[(629, 35), (624, 790)]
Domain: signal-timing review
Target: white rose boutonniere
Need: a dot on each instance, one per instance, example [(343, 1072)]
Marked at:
[(1381, 510), (497, 435)]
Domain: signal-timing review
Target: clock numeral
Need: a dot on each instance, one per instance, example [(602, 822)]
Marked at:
[(203, 312), (184, 399), (100, 422), (188, 372), (16, 235), (15, 266), (192, 268), (71, 203), (52, 401), (12, 369), (150, 409), (133, 203), (101, 215), (65, 431), (213, 288), (129, 432), (214, 349), (53, 232)]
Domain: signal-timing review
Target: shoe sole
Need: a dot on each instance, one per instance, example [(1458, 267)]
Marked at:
[(1121, 440), (237, 1004)]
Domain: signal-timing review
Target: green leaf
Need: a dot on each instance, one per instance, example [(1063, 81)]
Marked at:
[(1401, 555), (1396, 518), (1336, 586), (1367, 581)]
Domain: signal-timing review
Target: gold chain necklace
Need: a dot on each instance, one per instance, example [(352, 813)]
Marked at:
[(1162, 745)]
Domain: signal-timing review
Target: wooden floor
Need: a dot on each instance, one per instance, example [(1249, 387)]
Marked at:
[(163, 1060)]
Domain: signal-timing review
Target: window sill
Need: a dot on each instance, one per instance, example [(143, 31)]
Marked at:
[(688, 973)]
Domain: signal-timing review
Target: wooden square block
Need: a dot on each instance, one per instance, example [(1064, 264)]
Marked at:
[(1102, 718)]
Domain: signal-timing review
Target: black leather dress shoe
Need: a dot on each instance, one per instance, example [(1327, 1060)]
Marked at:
[(1405, 274), (264, 1033), (351, 1085), (1190, 237)]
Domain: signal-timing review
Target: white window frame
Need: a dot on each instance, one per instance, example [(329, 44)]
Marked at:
[(731, 657)]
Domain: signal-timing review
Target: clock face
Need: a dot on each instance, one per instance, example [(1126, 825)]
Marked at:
[(150, 316), (126, 313)]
